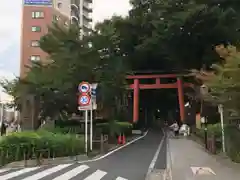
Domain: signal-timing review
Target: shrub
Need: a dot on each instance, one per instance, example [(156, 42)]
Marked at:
[(66, 130), (115, 127), (212, 129), (30, 144), (200, 133), (68, 126), (233, 143), (215, 129), (67, 123)]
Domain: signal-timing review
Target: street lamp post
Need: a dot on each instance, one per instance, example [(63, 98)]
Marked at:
[(220, 110), (204, 91), (1, 119)]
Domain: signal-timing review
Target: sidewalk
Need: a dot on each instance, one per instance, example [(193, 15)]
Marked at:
[(189, 161)]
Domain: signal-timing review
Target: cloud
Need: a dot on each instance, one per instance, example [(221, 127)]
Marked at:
[(10, 58), (6, 75), (10, 28), (105, 9)]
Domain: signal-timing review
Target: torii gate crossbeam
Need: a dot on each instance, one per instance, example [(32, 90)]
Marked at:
[(136, 86)]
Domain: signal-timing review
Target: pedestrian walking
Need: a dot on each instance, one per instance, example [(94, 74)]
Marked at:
[(175, 128)]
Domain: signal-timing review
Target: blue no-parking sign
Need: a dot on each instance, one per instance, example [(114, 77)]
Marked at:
[(84, 100)]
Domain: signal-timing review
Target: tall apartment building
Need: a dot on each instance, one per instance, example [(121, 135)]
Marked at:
[(38, 14)]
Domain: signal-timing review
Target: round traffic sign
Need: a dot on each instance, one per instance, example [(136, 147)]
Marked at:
[(84, 100), (84, 87)]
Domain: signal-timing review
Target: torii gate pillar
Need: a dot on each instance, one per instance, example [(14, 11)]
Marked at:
[(181, 99), (136, 100)]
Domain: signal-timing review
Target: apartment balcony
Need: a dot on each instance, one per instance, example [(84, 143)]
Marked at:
[(75, 3), (87, 25), (87, 7), (89, 1), (87, 18), (75, 13), (74, 20), (75, 8), (86, 29)]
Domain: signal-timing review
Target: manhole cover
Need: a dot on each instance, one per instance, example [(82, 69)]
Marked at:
[(202, 171)]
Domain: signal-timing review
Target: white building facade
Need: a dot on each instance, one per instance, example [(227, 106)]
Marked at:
[(78, 11)]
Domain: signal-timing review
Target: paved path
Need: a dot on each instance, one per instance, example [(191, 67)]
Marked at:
[(191, 162), (130, 163)]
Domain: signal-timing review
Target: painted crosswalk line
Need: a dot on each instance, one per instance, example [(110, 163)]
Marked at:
[(97, 175), (120, 178), (47, 172), (72, 173), (4, 170), (57, 172), (17, 173)]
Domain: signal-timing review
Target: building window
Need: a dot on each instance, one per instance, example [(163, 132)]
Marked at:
[(35, 43), (59, 5), (36, 29), (35, 58), (37, 14), (56, 18)]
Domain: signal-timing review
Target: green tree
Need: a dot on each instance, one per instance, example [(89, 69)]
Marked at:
[(71, 60), (162, 35), (223, 80), (172, 35)]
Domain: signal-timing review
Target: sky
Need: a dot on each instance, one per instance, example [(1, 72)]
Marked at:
[(10, 30)]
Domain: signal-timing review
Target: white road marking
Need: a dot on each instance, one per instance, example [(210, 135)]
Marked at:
[(152, 164), (17, 173), (120, 178), (74, 172), (97, 175), (47, 172), (115, 150), (202, 171)]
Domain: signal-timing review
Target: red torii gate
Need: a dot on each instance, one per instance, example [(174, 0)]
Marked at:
[(136, 86)]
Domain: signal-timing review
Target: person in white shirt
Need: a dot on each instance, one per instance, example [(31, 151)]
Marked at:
[(175, 128), (185, 130)]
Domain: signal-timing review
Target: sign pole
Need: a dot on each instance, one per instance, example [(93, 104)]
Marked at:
[(220, 108), (86, 102), (86, 131), (91, 127)]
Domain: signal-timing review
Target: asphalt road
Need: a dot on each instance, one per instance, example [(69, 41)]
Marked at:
[(132, 162), (129, 163)]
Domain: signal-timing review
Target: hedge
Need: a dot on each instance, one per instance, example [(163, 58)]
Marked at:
[(29, 145), (66, 130), (67, 123), (233, 143), (115, 127), (212, 129), (232, 135)]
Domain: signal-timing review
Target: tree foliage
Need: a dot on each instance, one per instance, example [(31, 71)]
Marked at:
[(224, 80), (160, 35), (70, 61), (178, 34)]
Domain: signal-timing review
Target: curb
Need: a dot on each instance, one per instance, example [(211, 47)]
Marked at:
[(168, 172), (44, 162)]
